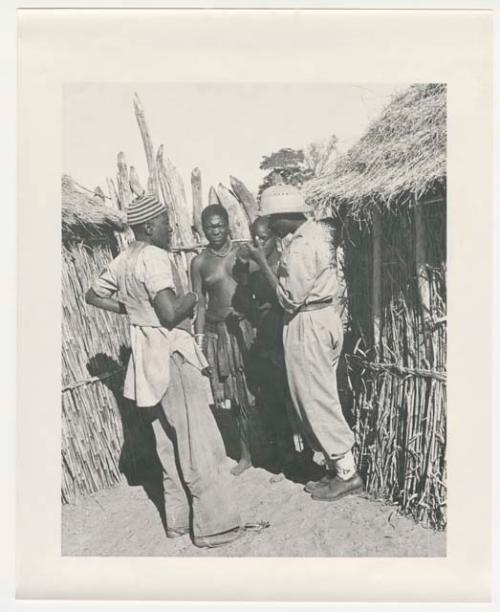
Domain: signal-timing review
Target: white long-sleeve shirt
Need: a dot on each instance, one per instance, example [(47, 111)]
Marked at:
[(308, 271)]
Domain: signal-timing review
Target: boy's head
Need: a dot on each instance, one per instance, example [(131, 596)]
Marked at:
[(215, 222), (149, 221), (262, 234)]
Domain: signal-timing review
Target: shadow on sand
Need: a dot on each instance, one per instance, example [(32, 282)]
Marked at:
[(138, 460)]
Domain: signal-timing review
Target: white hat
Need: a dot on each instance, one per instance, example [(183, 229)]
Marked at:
[(282, 199)]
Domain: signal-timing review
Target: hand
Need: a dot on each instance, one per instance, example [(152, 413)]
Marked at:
[(243, 253), (256, 253), (219, 399), (193, 311)]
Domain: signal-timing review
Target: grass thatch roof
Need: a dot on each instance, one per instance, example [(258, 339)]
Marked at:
[(85, 218), (401, 156)]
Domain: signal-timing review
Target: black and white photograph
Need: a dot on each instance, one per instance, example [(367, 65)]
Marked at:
[(254, 319)]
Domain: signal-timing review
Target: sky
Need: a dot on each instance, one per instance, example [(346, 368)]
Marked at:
[(224, 129)]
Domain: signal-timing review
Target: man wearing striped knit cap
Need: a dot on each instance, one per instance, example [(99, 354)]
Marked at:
[(165, 378)]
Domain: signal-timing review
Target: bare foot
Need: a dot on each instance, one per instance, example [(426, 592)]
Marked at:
[(242, 465)]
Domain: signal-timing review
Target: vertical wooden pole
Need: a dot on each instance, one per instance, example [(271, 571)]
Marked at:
[(122, 179), (213, 198), (377, 280), (238, 219), (153, 179), (196, 189), (423, 277), (245, 197), (174, 198), (112, 192), (134, 182)]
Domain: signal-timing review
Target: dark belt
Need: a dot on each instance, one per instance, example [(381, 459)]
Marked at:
[(314, 306)]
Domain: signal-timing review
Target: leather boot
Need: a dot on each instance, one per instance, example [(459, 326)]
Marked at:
[(337, 488), (313, 485)]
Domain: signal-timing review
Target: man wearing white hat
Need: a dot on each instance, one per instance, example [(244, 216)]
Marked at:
[(165, 378), (307, 287)]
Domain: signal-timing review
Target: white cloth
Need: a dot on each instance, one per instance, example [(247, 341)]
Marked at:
[(307, 272), (134, 278)]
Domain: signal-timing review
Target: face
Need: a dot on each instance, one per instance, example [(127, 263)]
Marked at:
[(216, 230), (161, 231), (281, 225), (263, 237)]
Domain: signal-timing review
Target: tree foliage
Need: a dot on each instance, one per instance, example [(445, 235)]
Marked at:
[(296, 166)]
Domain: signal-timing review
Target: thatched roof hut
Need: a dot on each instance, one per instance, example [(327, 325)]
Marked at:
[(94, 345), (389, 190), (85, 217), (401, 158)]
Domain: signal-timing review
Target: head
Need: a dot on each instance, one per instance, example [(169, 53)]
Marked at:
[(157, 231), (215, 222), (149, 221), (285, 223), (262, 234), (286, 208)]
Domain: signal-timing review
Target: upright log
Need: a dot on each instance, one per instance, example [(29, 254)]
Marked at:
[(196, 189), (213, 198), (423, 278), (122, 178), (112, 193), (245, 197), (153, 184), (238, 219), (377, 280), (135, 184), (174, 198)]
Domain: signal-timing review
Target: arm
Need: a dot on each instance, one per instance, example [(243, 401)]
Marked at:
[(101, 293), (106, 303), (257, 255), (172, 310), (196, 279)]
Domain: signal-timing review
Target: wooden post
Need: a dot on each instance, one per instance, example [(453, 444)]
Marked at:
[(123, 182), (173, 196), (213, 198), (153, 181), (377, 280), (245, 197), (238, 219), (112, 193), (423, 277), (135, 184), (196, 189)]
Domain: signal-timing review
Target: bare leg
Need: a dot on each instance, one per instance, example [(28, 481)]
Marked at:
[(245, 461)]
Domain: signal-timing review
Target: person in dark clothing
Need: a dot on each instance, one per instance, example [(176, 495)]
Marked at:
[(267, 372)]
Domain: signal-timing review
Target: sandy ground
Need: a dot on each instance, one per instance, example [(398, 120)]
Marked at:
[(123, 521)]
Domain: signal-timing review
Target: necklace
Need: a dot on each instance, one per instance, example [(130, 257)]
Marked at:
[(219, 253)]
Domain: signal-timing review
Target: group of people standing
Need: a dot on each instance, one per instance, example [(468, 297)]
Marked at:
[(261, 326)]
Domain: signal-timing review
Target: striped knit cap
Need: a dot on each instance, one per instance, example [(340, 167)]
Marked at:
[(144, 209)]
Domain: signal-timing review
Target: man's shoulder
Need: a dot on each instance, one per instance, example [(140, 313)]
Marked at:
[(151, 256), (315, 232), (152, 251)]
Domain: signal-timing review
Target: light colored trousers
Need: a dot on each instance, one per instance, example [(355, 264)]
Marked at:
[(313, 343), (191, 452)]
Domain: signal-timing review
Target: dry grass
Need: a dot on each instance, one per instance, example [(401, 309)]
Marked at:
[(92, 342), (399, 394), (84, 217), (401, 156)]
